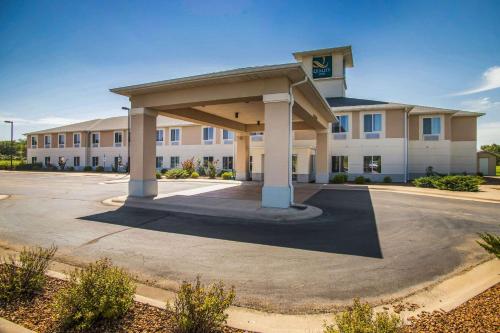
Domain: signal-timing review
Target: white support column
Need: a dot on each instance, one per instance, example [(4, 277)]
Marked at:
[(322, 156), (242, 154), (143, 181), (278, 190)]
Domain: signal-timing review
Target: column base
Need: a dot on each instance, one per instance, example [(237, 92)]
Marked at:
[(276, 196), (143, 188), (323, 178)]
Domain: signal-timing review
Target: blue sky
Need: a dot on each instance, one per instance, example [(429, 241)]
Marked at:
[(59, 58)]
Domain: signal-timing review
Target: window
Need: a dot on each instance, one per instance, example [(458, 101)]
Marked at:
[(76, 140), (159, 137), (372, 164), (175, 136), (159, 162), (207, 159), (227, 162), (95, 161), (76, 161), (432, 128), (60, 140), (34, 142), (117, 162), (33, 159), (257, 136), (340, 164), (47, 141), (95, 139), (47, 160), (118, 139), (373, 122), (174, 162), (208, 135), (227, 136), (342, 126)]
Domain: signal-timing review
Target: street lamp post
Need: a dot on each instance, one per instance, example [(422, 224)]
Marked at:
[(11, 140), (128, 137)]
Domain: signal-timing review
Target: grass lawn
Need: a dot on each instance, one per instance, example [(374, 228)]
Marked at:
[(6, 163), (498, 170)]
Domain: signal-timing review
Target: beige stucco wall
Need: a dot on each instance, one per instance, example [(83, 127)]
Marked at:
[(413, 128), (355, 125), (106, 138), (304, 135), (463, 128), (447, 127), (191, 135), (394, 124)]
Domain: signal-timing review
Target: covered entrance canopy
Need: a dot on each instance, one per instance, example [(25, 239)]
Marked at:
[(272, 99)]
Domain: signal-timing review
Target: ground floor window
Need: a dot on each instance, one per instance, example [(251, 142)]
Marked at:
[(47, 160), (372, 164), (95, 161), (33, 160), (174, 162), (159, 162), (118, 161), (340, 164), (227, 162), (207, 159), (76, 161)]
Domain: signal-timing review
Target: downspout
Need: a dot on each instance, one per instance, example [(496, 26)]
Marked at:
[(406, 140), (290, 136)]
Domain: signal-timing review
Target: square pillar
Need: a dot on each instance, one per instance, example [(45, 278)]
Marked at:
[(242, 153), (277, 191), (143, 181), (322, 157)]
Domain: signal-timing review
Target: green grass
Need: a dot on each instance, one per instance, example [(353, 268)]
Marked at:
[(6, 163), (498, 170)]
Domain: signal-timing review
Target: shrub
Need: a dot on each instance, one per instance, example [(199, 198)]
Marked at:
[(367, 180), (339, 178), (158, 175), (54, 168), (200, 309), (71, 168), (177, 174), (387, 179), (227, 175), (427, 181), (99, 168), (458, 183), (26, 277), (211, 169), (195, 175), (163, 171), (87, 168), (359, 180), (491, 243), (188, 165), (360, 318), (96, 292)]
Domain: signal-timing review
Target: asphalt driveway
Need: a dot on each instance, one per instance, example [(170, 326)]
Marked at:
[(365, 244)]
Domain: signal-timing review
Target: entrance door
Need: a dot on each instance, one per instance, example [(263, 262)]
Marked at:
[(483, 166)]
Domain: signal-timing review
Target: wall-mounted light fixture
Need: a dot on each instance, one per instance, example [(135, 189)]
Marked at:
[(258, 122)]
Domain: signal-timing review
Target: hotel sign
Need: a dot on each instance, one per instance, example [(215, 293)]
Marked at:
[(322, 67)]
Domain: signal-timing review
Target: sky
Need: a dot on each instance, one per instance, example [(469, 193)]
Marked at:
[(58, 59)]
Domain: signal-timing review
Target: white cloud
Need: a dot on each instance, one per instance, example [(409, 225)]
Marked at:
[(488, 133), (491, 80), (481, 104)]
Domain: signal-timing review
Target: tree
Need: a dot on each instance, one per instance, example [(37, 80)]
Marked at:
[(493, 148)]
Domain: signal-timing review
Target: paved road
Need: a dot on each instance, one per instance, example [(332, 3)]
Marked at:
[(366, 244)]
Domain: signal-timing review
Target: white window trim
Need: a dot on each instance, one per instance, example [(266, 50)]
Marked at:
[(161, 143), (115, 144), (421, 126), (64, 136), (91, 139), (80, 135), (178, 164), (79, 162), (50, 141), (178, 142), (226, 141), (36, 141), (206, 142), (362, 124)]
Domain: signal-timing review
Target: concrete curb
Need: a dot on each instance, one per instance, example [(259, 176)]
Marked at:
[(4, 196), (187, 180), (10, 327)]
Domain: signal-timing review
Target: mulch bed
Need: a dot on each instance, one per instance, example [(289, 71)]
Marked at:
[(479, 314), (37, 314)]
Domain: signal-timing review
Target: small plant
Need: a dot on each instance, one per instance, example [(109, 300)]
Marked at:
[(227, 175), (99, 168), (188, 165), (195, 175), (27, 276), (99, 291), (359, 318), (200, 309), (359, 180), (339, 178), (163, 171), (71, 168), (87, 168), (158, 175), (491, 243), (211, 169), (387, 179), (367, 180), (177, 174)]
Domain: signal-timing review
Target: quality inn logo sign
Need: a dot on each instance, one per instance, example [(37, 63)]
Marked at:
[(322, 67)]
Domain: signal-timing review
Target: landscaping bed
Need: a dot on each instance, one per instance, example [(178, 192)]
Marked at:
[(37, 314)]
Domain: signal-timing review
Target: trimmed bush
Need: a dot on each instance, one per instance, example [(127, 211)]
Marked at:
[(360, 318), (451, 183), (195, 175), (71, 168), (158, 175), (200, 309), (425, 181), (387, 179), (99, 291), (491, 243), (227, 176), (359, 180), (99, 168), (367, 180), (339, 178), (87, 168), (163, 171), (177, 174), (26, 277)]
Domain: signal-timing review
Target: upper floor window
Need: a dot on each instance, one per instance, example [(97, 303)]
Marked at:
[(342, 126), (118, 139), (95, 140), (208, 135), (159, 137), (257, 136), (372, 125), (227, 136), (60, 139), (431, 128), (76, 140), (175, 136), (34, 142), (47, 141)]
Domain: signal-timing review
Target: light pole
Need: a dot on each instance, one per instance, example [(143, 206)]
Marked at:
[(128, 137), (11, 139)]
